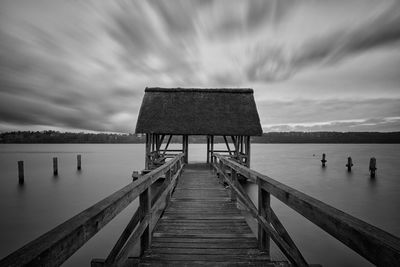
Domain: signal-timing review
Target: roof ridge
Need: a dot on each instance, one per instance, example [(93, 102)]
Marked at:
[(200, 90)]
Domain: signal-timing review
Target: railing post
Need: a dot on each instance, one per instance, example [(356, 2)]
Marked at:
[(264, 201), (234, 181), (145, 204)]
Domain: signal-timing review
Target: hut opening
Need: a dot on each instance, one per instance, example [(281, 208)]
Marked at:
[(222, 114)]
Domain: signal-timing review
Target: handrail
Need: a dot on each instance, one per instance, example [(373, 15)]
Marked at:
[(377, 246), (58, 244)]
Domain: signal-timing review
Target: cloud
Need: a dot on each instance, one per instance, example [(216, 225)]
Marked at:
[(389, 124), (381, 29), (280, 61), (329, 114), (91, 74)]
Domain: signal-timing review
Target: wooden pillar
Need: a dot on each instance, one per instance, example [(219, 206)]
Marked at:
[(79, 162), (55, 166), (264, 201), (372, 167), (185, 146), (208, 149), (349, 164), (21, 172), (323, 160), (247, 148), (145, 206), (148, 148), (212, 147)]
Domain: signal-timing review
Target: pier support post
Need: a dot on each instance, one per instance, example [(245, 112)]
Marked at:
[(55, 166), (20, 172), (323, 160), (208, 149), (349, 164), (264, 201), (372, 167), (185, 144), (79, 162), (145, 206)]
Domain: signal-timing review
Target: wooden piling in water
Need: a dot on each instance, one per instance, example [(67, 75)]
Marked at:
[(20, 172), (349, 164), (323, 160), (372, 167), (55, 166), (79, 162)]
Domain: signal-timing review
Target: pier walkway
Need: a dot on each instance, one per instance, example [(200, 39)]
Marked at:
[(201, 225)]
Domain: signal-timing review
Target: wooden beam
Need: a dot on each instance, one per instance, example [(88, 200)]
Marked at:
[(290, 253), (145, 207), (208, 149), (166, 146), (137, 216), (148, 149), (376, 245), (227, 145), (248, 151), (264, 208)]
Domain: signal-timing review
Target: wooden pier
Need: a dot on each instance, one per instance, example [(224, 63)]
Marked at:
[(201, 225), (192, 218)]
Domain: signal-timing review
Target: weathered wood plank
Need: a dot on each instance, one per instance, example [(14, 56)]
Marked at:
[(202, 224), (209, 245), (207, 251), (203, 257)]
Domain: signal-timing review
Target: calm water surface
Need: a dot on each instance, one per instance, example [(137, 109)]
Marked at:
[(46, 201)]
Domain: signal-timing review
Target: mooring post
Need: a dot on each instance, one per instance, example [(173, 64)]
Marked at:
[(79, 162), (372, 167), (323, 160), (55, 167), (20, 172), (264, 202), (349, 164)]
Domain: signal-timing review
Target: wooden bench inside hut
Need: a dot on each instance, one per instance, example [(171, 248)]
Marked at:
[(227, 115)]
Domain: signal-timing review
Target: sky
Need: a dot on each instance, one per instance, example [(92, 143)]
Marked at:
[(316, 65)]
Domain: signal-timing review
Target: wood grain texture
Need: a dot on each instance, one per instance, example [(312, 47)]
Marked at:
[(202, 226)]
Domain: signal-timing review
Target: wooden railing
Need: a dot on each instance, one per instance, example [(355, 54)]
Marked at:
[(57, 245), (375, 245)]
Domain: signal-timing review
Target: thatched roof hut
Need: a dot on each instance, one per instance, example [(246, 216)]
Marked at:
[(194, 111)]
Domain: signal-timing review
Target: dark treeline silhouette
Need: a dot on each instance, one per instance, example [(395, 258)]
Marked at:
[(273, 137)]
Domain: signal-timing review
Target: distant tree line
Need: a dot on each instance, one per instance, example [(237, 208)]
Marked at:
[(272, 137), (58, 137), (328, 137)]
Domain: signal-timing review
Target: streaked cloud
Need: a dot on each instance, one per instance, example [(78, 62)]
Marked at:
[(84, 64)]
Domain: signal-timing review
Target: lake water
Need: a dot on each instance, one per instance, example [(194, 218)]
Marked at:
[(45, 201)]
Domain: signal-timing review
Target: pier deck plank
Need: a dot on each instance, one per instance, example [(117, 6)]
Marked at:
[(201, 226)]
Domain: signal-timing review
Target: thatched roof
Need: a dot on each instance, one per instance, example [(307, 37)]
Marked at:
[(195, 111)]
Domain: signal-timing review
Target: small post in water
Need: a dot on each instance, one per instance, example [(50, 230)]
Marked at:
[(372, 167), (349, 164), (323, 160), (20, 172), (79, 162), (55, 167)]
